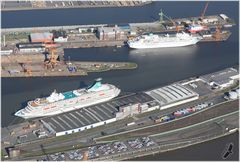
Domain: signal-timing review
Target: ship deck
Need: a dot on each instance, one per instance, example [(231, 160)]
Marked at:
[(93, 114)]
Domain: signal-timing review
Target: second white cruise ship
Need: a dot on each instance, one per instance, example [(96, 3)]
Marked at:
[(58, 103), (160, 41)]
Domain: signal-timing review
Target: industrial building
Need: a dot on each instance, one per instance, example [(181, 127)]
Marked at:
[(60, 36), (41, 37), (173, 95), (31, 49), (221, 79), (93, 116), (110, 32), (6, 52)]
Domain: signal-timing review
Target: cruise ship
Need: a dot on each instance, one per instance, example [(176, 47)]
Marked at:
[(160, 41), (58, 103)]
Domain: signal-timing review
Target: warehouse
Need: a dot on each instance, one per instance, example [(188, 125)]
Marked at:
[(60, 36), (31, 49), (173, 95), (41, 37), (106, 33), (221, 79), (90, 117)]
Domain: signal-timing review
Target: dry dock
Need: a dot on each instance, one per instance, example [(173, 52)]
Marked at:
[(33, 66)]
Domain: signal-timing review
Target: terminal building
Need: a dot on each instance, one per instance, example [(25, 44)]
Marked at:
[(117, 109), (93, 116)]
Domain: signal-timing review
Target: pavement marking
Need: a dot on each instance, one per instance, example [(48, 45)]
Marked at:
[(58, 123), (52, 125), (83, 117), (190, 126), (76, 118), (142, 128), (99, 109), (112, 106), (64, 122), (71, 120), (96, 114), (89, 114)]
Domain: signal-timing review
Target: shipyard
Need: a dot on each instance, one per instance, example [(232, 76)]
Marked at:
[(47, 47), (118, 80)]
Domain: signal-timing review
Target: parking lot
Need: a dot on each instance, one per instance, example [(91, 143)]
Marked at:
[(103, 150), (84, 118), (199, 87)]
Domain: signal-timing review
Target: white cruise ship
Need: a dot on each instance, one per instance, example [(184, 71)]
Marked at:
[(58, 103), (160, 41)]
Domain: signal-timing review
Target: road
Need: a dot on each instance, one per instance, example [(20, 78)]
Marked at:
[(83, 139)]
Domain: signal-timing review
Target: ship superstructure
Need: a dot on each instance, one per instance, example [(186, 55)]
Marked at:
[(160, 41), (58, 103)]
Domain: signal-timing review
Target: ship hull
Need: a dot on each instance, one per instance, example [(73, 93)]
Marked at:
[(69, 104), (162, 45), (67, 109)]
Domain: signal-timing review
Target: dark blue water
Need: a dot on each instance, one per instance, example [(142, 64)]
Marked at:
[(149, 12), (155, 67)]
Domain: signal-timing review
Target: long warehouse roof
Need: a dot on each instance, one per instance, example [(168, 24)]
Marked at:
[(172, 93), (93, 114)]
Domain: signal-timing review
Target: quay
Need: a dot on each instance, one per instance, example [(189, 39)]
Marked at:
[(109, 122), (32, 5), (100, 35)]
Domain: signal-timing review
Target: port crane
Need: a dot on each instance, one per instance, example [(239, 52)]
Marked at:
[(217, 34), (162, 15), (204, 11), (27, 67), (53, 58)]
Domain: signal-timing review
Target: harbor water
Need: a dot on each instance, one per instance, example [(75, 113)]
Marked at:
[(155, 67)]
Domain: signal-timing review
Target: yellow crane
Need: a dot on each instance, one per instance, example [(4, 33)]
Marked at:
[(52, 60)]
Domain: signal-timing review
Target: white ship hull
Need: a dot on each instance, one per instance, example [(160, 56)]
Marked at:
[(68, 101), (161, 45), (154, 41), (60, 109)]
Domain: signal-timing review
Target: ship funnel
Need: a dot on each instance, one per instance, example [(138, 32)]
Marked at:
[(97, 84)]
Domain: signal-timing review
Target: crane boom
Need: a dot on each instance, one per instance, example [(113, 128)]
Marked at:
[(204, 11)]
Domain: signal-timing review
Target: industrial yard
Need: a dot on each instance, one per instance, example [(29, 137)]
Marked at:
[(50, 42), (40, 4), (34, 66)]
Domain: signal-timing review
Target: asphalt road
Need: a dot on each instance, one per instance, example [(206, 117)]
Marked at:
[(182, 122)]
